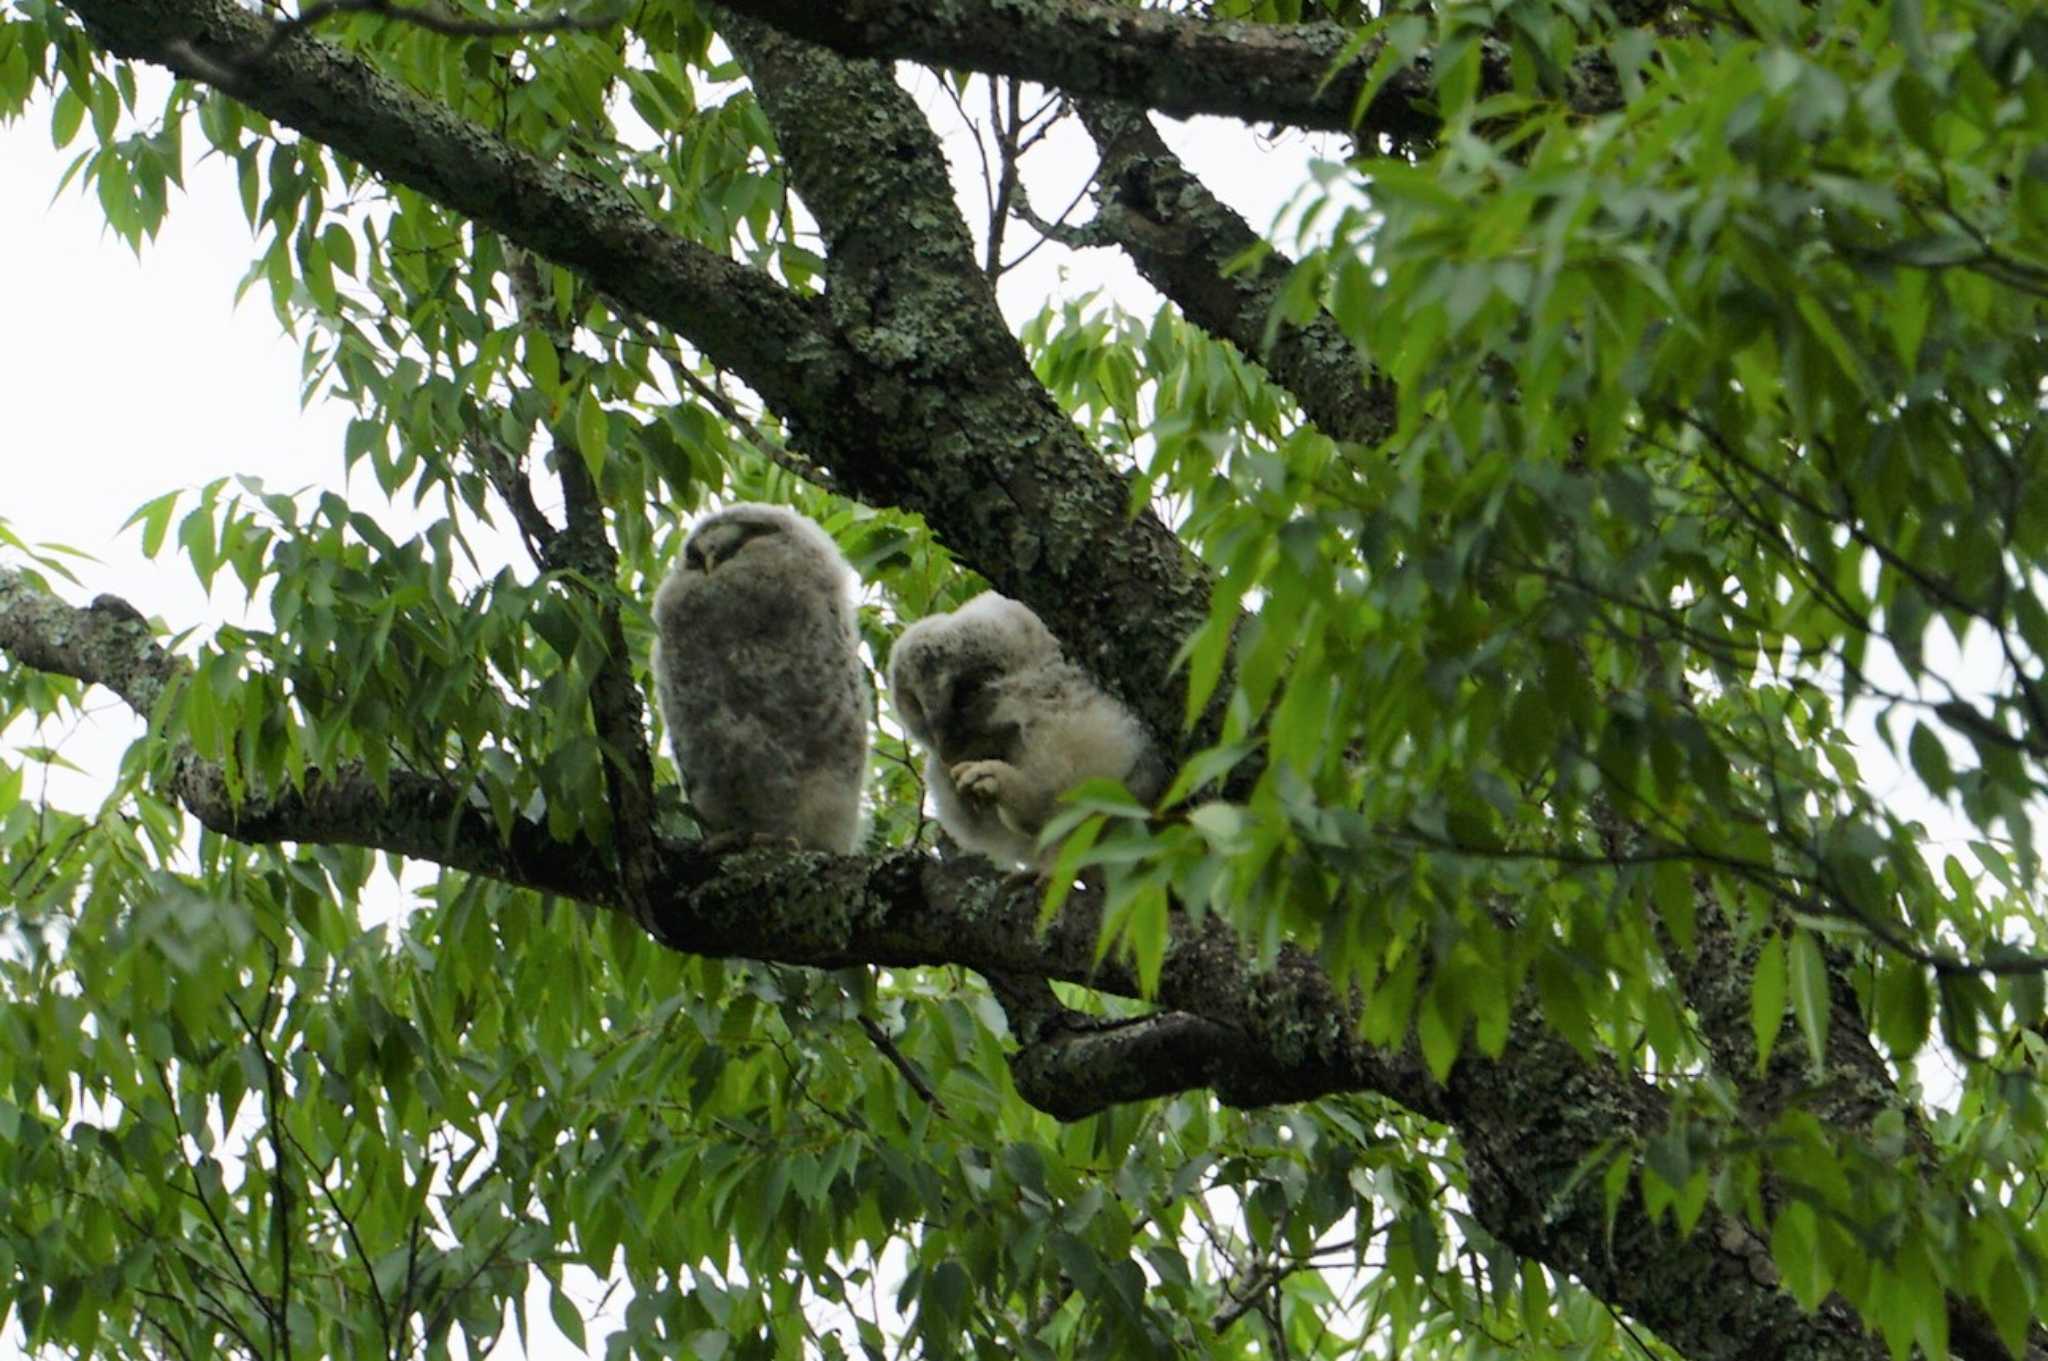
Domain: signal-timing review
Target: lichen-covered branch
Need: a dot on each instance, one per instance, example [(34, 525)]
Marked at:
[(976, 443), (1187, 243), (1071, 1064), (1176, 63)]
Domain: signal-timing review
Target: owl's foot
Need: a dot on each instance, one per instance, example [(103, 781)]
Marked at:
[(725, 842), (982, 781), (729, 840)]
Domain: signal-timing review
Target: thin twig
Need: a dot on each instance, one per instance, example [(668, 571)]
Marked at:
[(273, 1114), (1087, 236), (903, 1064), (220, 1228), (770, 448), (213, 1311), (1005, 124), (348, 1225)]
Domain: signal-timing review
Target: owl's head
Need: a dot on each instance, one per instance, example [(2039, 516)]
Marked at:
[(940, 662), (717, 538), (753, 533), (1004, 633)]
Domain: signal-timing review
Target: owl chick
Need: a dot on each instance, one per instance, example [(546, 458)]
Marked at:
[(757, 667), (1010, 725)]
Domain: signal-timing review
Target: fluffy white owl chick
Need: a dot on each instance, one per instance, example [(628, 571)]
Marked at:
[(757, 666), (1010, 725)]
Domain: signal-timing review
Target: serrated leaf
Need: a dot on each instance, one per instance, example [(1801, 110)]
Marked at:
[(155, 518), (1807, 974), (563, 1311), (541, 362), (67, 115), (593, 433), (1795, 1248), (1767, 988)]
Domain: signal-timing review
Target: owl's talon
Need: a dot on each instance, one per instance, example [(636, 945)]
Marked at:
[(979, 779)]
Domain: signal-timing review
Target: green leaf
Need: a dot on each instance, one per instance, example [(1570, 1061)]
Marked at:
[(1564, 1006), (541, 362), (946, 1293), (1672, 888), (1930, 759), (155, 518), (1767, 989), (593, 433), (566, 1316), (1795, 1249), (1440, 1043), (67, 115), (1807, 974)]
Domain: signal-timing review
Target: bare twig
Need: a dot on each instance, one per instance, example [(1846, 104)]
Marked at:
[(213, 1217), (348, 1225), (1087, 236), (902, 1063), (273, 1118), (1003, 119)]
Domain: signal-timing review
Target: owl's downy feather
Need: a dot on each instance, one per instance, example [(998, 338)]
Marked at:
[(757, 666), (1010, 725)]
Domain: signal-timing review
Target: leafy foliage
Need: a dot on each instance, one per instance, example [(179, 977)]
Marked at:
[(1715, 478)]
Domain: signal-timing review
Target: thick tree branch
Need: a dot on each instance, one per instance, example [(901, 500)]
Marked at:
[(978, 446), (409, 814), (1184, 241), (437, 21), (1071, 1064), (902, 909), (1175, 63)]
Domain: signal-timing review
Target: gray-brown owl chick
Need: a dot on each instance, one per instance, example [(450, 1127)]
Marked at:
[(1010, 725), (757, 666)]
